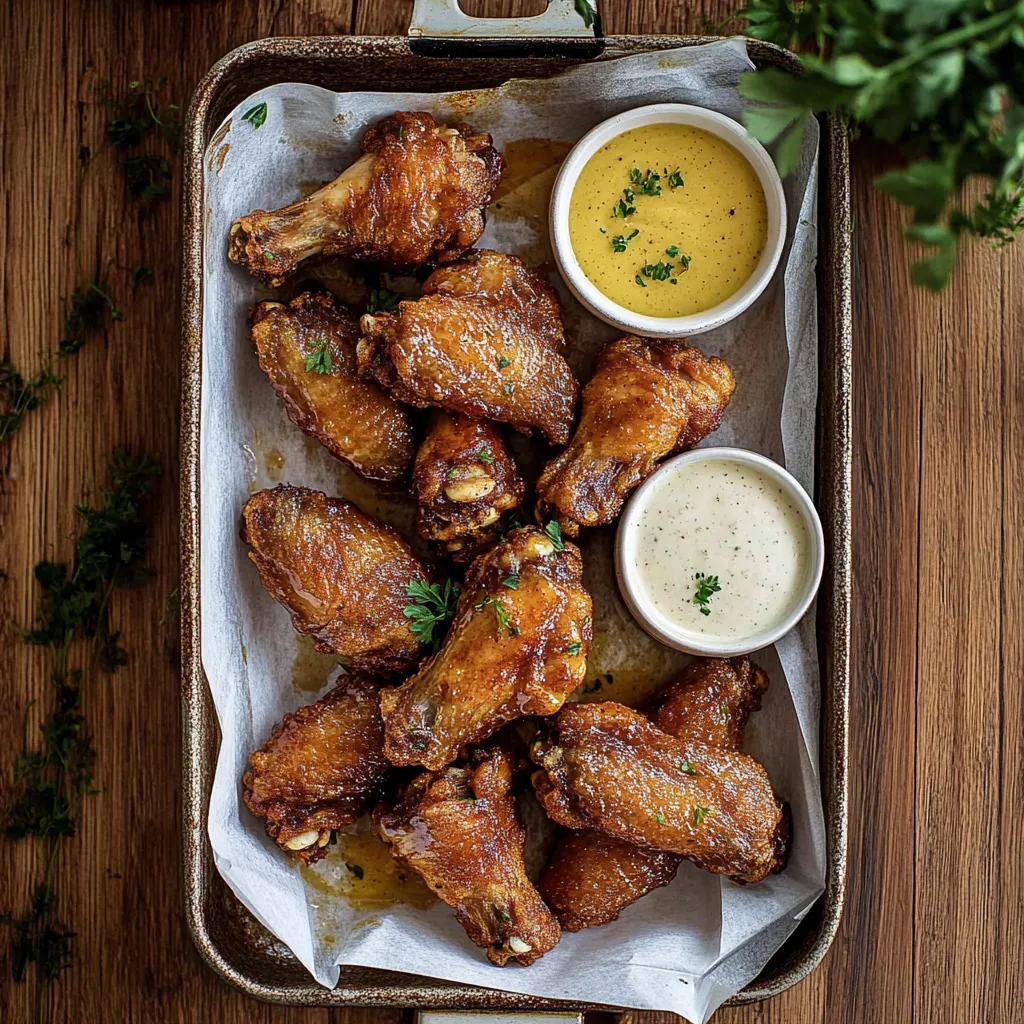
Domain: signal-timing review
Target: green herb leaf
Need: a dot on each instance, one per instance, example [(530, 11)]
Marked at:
[(554, 532), (707, 587), (575, 647), (700, 813), (659, 819), (675, 179), (319, 358), (619, 242), (256, 116), (639, 280), (382, 300), (657, 271), (433, 609), (356, 870), (687, 768), (623, 210), (586, 12), (508, 388), (503, 361), (485, 456), (673, 251), (511, 581)]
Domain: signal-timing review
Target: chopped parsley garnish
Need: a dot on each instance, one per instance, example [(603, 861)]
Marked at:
[(673, 251), (508, 388), (319, 358), (659, 819), (619, 242), (657, 271), (256, 116), (503, 361), (554, 532), (356, 870), (485, 456), (398, 132), (647, 184), (501, 613), (434, 608), (575, 647), (685, 260), (687, 768), (700, 813), (707, 587), (675, 179), (598, 683), (511, 581), (623, 210), (639, 280), (382, 300)]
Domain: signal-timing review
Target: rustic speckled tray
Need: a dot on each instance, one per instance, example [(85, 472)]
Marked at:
[(228, 937)]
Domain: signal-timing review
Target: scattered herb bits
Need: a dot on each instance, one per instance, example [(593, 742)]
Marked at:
[(256, 116)]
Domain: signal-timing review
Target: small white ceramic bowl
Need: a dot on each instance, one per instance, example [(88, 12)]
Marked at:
[(671, 633), (657, 326)]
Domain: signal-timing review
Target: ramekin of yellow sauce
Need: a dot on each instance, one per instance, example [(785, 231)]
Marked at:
[(668, 220)]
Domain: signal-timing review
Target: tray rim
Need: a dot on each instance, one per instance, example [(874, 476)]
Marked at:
[(832, 486)]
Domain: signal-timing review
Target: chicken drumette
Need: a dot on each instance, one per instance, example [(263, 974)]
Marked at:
[(517, 646), (459, 830), (319, 769), (608, 767), (464, 479), (417, 192), (341, 574), (593, 877), (484, 340), (308, 350), (646, 400)]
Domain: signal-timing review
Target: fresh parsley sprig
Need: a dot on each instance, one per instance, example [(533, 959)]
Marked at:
[(554, 533), (707, 587), (433, 608), (945, 80), (319, 358)]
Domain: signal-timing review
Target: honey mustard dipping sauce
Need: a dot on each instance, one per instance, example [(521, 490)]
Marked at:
[(668, 220)]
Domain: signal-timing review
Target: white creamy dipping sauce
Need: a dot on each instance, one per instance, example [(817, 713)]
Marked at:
[(725, 519)]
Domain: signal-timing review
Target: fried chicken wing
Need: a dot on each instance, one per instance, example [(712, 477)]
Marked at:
[(646, 400), (341, 574), (308, 350), (319, 769), (517, 646), (417, 192), (459, 830), (464, 479), (593, 877), (484, 340), (606, 766)]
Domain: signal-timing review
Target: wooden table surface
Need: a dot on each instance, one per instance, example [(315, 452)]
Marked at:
[(933, 924)]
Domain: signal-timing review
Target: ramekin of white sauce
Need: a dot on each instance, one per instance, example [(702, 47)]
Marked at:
[(720, 552)]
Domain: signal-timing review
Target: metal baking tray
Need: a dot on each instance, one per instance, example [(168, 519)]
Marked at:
[(447, 51)]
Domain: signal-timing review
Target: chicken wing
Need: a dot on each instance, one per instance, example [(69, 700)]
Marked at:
[(517, 646), (464, 479), (646, 400), (606, 766), (319, 769), (459, 830), (308, 350), (483, 340), (341, 574), (417, 192), (593, 877)]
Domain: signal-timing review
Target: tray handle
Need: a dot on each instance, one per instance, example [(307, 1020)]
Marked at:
[(440, 28)]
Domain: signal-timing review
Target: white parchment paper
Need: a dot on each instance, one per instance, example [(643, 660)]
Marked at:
[(686, 947)]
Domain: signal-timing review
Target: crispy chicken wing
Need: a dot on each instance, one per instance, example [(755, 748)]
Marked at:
[(351, 417), (606, 766), (464, 479), (458, 828), (319, 769), (483, 340), (517, 646), (341, 574), (417, 192), (646, 400), (593, 877)]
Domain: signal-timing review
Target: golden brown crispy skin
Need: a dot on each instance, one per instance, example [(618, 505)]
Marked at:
[(511, 651), (416, 193), (646, 400), (606, 766), (483, 340), (459, 830), (593, 877), (353, 418), (464, 479), (341, 574), (319, 769)]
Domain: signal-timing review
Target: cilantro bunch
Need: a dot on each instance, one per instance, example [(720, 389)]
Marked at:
[(944, 78)]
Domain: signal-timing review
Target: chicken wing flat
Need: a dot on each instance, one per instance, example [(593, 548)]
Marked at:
[(484, 340), (606, 766), (517, 646), (464, 479), (308, 350), (646, 400), (319, 770), (341, 574), (593, 877), (459, 830), (417, 192)]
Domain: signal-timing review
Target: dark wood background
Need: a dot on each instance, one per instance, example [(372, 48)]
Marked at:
[(933, 924)]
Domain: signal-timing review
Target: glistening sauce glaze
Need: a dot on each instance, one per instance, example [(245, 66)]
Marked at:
[(668, 220), (724, 519)]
